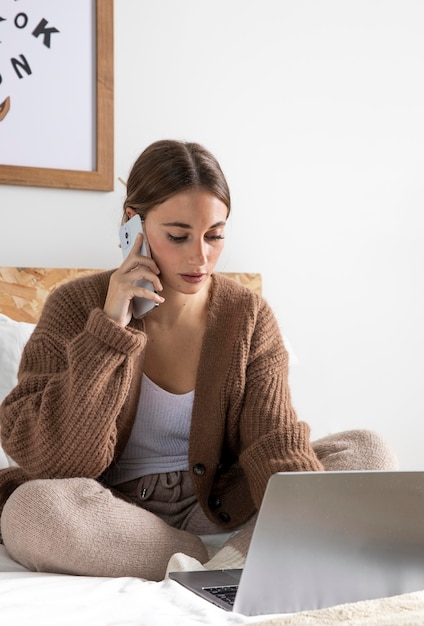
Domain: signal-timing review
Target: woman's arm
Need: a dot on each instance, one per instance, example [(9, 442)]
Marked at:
[(272, 439), (73, 381)]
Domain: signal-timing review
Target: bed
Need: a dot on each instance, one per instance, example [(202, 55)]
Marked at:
[(52, 599)]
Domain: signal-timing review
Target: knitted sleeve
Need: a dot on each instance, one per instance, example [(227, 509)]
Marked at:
[(74, 377), (272, 438)]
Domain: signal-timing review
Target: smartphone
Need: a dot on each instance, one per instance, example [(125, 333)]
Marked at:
[(127, 234)]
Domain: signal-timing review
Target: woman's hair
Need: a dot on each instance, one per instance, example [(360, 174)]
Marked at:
[(167, 167)]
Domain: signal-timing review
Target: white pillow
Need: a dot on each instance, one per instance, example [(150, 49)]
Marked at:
[(13, 337)]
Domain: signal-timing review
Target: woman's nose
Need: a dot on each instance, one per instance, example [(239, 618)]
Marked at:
[(198, 253)]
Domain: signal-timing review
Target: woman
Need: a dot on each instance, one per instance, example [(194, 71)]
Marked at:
[(185, 413)]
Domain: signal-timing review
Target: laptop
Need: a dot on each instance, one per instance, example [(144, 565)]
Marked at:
[(325, 538)]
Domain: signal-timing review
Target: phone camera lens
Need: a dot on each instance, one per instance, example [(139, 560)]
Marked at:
[(126, 235)]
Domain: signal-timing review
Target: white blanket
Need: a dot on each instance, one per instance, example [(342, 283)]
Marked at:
[(34, 599)]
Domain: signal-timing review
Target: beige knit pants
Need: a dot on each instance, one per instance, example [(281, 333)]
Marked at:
[(77, 526)]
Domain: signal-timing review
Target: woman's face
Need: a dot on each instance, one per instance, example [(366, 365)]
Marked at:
[(186, 238)]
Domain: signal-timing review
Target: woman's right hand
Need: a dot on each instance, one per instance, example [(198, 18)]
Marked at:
[(122, 284)]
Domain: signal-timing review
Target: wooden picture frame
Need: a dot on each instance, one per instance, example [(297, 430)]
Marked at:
[(101, 177)]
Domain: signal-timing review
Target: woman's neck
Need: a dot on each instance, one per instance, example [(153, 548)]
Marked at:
[(181, 308)]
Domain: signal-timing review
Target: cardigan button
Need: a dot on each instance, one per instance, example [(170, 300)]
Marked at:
[(199, 469), (214, 503), (224, 517)]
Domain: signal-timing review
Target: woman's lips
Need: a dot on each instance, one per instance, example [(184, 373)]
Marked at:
[(192, 278)]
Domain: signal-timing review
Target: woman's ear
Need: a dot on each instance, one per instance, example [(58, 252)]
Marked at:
[(130, 212)]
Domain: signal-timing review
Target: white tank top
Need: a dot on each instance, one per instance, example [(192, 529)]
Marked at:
[(159, 438)]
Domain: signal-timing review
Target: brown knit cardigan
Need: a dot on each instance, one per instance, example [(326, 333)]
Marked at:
[(79, 381)]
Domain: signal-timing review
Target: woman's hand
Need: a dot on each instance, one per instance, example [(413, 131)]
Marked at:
[(123, 288)]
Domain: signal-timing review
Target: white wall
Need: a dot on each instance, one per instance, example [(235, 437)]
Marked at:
[(315, 110)]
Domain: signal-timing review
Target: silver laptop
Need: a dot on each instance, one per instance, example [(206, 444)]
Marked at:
[(325, 538)]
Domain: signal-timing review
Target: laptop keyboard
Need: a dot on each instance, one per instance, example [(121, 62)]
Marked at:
[(227, 593)]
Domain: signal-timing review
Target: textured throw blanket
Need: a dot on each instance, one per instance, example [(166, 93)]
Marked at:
[(404, 610)]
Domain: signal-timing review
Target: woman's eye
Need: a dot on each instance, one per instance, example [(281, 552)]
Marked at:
[(176, 239), (182, 238), (215, 235)]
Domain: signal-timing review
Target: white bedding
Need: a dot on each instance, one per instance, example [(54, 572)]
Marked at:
[(35, 599)]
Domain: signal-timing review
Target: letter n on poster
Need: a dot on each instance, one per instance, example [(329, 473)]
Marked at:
[(56, 93)]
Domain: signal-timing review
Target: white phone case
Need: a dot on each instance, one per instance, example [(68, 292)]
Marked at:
[(127, 234)]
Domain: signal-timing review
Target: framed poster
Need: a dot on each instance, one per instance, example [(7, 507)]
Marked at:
[(56, 93)]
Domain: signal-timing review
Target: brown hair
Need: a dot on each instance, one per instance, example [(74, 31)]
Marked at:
[(167, 167)]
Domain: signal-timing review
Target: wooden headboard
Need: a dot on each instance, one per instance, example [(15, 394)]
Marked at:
[(23, 290)]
